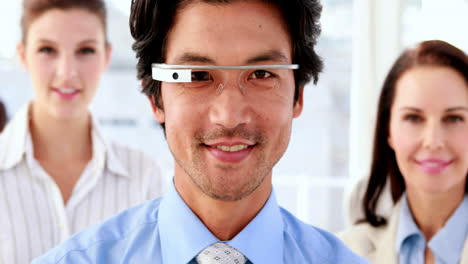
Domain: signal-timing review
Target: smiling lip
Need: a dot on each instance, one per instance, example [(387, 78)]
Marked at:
[(433, 166), (66, 93), (230, 152)]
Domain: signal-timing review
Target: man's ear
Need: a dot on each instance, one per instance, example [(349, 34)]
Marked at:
[(21, 53), (157, 111), (297, 110)]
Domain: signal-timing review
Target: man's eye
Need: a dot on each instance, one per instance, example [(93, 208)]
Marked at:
[(201, 76), (260, 74), (46, 50)]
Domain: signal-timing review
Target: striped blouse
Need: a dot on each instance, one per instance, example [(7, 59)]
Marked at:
[(33, 216)]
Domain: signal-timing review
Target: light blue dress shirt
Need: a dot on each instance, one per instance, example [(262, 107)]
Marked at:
[(446, 245), (165, 230)]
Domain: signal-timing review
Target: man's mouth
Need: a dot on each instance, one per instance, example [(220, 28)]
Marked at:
[(230, 152), (234, 148)]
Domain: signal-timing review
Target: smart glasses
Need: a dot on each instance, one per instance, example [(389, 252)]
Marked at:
[(204, 79)]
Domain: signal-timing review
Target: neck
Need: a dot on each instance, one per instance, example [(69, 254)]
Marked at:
[(60, 140), (432, 211), (224, 219)]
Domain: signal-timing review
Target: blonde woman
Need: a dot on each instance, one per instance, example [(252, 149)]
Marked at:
[(58, 173)]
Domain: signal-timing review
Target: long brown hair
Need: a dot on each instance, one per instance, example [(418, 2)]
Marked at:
[(384, 165)]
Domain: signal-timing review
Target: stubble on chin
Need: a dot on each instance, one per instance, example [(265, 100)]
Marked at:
[(223, 182)]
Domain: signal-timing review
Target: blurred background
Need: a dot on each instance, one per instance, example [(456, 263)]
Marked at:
[(331, 141)]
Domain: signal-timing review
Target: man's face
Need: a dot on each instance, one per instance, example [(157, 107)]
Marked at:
[(227, 142)]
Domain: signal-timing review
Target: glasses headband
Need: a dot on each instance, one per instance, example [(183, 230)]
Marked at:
[(183, 73)]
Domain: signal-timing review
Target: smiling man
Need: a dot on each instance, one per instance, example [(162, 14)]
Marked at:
[(225, 80)]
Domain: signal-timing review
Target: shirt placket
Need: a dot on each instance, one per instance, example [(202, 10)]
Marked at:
[(85, 185), (57, 200), (89, 178), (60, 210)]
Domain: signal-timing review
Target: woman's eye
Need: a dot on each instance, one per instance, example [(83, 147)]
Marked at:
[(201, 76), (260, 74), (413, 118), (87, 51), (46, 50)]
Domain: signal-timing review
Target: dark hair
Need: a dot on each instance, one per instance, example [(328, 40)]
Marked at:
[(150, 21), (32, 9), (3, 116), (384, 164)]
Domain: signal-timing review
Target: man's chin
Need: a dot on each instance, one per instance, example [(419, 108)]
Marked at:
[(228, 197), (222, 191)]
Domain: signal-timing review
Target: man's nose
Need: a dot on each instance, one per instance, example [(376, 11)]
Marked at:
[(230, 107)]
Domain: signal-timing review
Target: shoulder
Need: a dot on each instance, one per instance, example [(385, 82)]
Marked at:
[(315, 243), (108, 239), (5, 138), (361, 238), (374, 243), (16, 127), (139, 166), (131, 156), (136, 164), (13, 139), (122, 155)]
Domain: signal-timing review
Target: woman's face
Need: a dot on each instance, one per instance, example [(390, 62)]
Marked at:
[(429, 129), (65, 53)]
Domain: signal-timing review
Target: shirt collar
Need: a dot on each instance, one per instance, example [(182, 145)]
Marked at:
[(16, 142), (447, 244), (407, 228), (103, 148), (183, 235), (261, 241)]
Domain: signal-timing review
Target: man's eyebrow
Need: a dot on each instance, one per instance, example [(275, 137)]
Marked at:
[(273, 56), (190, 58), (269, 56)]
